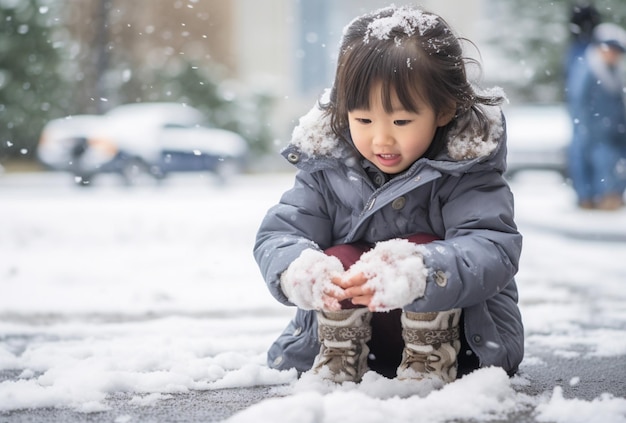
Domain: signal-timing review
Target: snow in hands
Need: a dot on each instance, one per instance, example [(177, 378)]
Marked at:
[(396, 274)]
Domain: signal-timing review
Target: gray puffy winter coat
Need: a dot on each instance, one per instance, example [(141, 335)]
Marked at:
[(460, 197)]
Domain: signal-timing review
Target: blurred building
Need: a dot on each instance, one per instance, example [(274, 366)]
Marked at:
[(283, 47), (290, 46), (113, 40)]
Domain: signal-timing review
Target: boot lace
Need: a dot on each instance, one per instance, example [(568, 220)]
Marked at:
[(421, 358), (345, 356)]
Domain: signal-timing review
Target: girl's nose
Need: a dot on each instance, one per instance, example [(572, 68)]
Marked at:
[(382, 137)]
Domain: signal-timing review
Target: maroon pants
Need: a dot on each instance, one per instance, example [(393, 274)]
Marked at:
[(386, 344)]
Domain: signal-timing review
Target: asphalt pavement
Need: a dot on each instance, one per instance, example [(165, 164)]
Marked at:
[(585, 379), (192, 406)]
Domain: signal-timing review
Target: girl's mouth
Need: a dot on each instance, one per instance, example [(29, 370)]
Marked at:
[(389, 159)]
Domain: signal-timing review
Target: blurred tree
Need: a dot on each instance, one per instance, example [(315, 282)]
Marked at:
[(88, 56), (31, 87), (532, 37)]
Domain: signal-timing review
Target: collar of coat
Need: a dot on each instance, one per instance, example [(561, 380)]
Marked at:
[(313, 140)]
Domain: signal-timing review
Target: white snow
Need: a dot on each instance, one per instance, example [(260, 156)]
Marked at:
[(395, 272), (463, 146), (394, 269), (313, 134), (407, 19), (153, 291), (307, 280), (600, 410)]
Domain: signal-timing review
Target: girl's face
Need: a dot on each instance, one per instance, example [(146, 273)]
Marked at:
[(393, 141)]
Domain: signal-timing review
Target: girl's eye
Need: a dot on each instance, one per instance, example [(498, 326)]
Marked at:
[(401, 122), (363, 120)]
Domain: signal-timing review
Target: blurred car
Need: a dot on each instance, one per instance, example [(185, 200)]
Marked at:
[(63, 140), (141, 139), (537, 138)]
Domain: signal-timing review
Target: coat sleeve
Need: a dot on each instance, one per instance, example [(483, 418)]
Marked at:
[(299, 221), (480, 252)]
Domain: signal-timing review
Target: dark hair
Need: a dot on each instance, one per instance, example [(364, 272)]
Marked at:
[(415, 55), (583, 19)]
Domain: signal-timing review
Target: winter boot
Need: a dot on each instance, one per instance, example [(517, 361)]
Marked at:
[(343, 336), (431, 345)]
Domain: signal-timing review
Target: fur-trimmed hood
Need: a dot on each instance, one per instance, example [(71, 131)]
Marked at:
[(314, 145)]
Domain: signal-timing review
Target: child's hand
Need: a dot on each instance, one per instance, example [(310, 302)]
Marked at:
[(354, 288), (389, 276)]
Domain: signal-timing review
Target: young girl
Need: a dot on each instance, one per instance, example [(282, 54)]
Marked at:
[(397, 242)]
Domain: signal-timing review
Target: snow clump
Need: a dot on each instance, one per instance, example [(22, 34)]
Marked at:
[(314, 135), (407, 19)]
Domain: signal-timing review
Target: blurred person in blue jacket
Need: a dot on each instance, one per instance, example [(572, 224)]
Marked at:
[(595, 96)]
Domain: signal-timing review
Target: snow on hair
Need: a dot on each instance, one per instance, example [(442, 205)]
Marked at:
[(408, 19)]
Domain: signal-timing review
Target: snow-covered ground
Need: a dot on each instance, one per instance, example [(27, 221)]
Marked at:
[(154, 291)]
